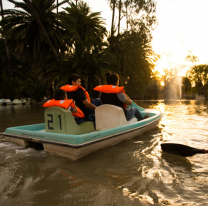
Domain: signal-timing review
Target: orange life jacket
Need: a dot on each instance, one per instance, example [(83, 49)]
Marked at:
[(110, 89), (72, 88), (64, 104)]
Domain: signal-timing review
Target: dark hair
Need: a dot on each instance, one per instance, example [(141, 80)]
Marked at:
[(73, 77), (111, 78), (59, 94)]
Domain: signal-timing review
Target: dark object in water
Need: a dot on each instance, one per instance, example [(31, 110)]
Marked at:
[(182, 150)]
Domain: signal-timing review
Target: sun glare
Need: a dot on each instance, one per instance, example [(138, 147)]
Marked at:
[(179, 31), (161, 65)]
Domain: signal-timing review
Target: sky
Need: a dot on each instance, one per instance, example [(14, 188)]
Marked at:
[(182, 27)]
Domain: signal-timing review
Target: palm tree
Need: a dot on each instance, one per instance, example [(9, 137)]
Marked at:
[(86, 55), (7, 48), (3, 55), (33, 11), (25, 33), (88, 34)]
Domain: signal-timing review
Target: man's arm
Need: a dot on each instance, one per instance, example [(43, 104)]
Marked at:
[(89, 105)]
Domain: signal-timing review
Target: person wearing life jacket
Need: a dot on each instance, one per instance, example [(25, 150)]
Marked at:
[(115, 95), (76, 92), (61, 100)]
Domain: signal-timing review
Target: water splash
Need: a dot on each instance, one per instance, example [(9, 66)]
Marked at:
[(173, 88)]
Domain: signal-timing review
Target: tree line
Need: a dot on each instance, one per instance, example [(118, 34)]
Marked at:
[(194, 82), (41, 45)]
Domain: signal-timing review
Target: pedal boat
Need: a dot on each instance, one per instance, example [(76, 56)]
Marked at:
[(5, 102), (60, 133), (20, 101)]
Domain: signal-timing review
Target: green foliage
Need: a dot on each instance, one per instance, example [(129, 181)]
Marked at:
[(186, 85), (35, 90), (191, 58), (87, 56), (78, 35), (24, 36), (132, 55), (9, 88), (133, 10), (3, 56), (198, 75), (152, 90), (133, 59)]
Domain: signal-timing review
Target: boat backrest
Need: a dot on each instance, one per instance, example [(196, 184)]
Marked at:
[(16, 101), (109, 116), (58, 120)]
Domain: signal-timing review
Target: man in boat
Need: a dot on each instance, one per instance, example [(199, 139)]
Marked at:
[(115, 95), (76, 92)]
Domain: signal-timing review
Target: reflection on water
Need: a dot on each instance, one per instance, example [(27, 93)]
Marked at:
[(134, 172), (16, 115)]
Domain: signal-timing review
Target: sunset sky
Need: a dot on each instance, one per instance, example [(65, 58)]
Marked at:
[(182, 27)]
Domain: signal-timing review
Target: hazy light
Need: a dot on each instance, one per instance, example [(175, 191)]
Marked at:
[(182, 26)]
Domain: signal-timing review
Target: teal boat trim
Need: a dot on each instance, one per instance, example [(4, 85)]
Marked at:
[(75, 144), (82, 144)]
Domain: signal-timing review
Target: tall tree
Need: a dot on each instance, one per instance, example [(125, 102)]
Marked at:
[(42, 28), (113, 16), (7, 48), (119, 16), (134, 9), (198, 75), (87, 32), (26, 37)]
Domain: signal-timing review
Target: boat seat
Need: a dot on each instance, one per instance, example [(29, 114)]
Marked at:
[(58, 120), (109, 116)]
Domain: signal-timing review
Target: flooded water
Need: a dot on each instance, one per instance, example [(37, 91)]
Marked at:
[(134, 172)]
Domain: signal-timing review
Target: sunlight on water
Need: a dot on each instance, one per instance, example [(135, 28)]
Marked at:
[(168, 178), (134, 172)]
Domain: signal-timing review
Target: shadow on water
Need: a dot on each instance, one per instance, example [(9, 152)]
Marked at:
[(175, 160), (34, 145), (117, 156)]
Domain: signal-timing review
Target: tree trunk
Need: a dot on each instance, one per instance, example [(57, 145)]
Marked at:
[(119, 16), (50, 92), (42, 28), (57, 10), (112, 24), (125, 61), (127, 17), (7, 48)]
